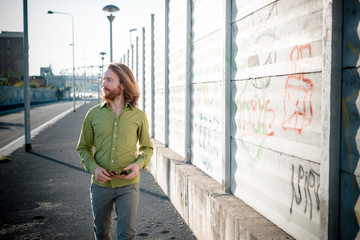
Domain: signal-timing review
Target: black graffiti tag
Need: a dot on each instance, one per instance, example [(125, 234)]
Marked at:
[(310, 180)]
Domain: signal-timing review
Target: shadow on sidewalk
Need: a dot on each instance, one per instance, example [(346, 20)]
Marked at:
[(60, 162), (162, 197)]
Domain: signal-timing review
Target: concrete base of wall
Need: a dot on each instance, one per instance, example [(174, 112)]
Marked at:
[(209, 212)]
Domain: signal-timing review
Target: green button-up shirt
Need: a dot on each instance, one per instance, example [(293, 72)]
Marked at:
[(115, 141)]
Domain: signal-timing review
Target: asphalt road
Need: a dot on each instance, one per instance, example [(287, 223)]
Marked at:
[(12, 121), (45, 193)]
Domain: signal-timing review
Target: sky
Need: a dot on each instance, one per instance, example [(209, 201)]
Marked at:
[(50, 35)]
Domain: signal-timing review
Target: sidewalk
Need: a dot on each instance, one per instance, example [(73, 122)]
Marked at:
[(45, 194)]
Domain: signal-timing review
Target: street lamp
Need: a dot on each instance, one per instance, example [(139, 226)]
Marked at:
[(73, 52), (131, 30), (109, 10), (132, 49), (102, 67)]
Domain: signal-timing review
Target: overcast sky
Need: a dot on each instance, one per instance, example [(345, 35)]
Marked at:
[(50, 36)]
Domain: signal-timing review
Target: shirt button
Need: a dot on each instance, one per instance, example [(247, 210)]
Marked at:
[(112, 160), (115, 135), (113, 148), (115, 123)]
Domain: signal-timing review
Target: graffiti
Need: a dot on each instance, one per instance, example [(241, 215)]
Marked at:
[(352, 162), (201, 90), (209, 150), (254, 114), (309, 180), (256, 84), (273, 11), (298, 92), (205, 142), (207, 99), (255, 117), (207, 123), (353, 48), (176, 102), (210, 120), (262, 59), (348, 101)]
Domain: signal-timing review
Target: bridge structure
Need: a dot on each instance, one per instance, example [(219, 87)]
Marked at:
[(87, 80)]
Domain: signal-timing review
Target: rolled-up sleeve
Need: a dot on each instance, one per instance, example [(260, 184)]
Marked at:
[(146, 147), (85, 145)]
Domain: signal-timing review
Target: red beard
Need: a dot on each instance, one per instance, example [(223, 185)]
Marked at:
[(111, 94)]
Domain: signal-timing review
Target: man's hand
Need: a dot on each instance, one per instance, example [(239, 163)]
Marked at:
[(101, 175), (134, 171)]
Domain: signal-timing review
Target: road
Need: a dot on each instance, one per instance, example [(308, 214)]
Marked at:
[(12, 122)]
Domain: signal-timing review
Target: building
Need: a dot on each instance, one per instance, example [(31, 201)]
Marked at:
[(51, 79), (11, 53)]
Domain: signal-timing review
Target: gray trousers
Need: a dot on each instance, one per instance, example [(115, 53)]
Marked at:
[(126, 202)]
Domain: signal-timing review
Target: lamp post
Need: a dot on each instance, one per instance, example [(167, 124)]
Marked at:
[(132, 49), (26, 79), (73, 52), (98, 84), (130, 31), (102, 67), (109, 10)]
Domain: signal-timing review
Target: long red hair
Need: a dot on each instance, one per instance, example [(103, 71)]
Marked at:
[(127, 79)]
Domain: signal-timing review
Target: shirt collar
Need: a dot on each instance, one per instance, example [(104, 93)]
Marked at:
[(127, 105), (103, 104)]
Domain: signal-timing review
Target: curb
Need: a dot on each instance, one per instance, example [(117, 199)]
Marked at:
[(17, 143)]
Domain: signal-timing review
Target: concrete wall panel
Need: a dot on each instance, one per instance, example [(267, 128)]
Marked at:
[(349, 208), (148, 74), (203, 13), (141, 69), (159, 72), (273, 112), (207, 128), (177, 119), (207, 94), (207, 58), (351, 121), (276, 111), (269, 45), (282, 188), (201, 214), (177, 77), (350, 137), (177, 26), (351, 34)]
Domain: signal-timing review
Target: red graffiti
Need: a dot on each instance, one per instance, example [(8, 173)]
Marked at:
[(298, 92), (256, 117)]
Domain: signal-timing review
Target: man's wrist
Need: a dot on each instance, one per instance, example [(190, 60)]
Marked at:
[(93, 168)]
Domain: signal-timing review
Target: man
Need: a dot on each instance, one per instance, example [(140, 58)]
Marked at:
[(114, 128)]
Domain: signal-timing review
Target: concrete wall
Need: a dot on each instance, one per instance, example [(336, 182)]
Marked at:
[(206, 85), (141, 68), (149, 73), (199, 199), (159, 75), (276, 112), (15, 95), (279, 167), (350, 139), (177, 75)]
